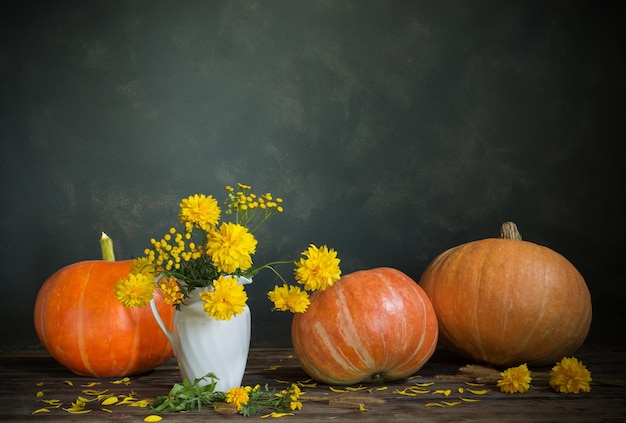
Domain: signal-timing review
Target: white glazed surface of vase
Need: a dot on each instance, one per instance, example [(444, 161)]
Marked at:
[(205, 345)]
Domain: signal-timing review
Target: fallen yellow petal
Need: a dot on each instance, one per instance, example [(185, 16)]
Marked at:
[(336, 389), (307, 385), (78, 404), (94, 392), (39, 394), (106, 410), (153, 418), (469, 399), (425, 384), (90, 384), (434, 404), (474, 384), (272, 368), (83, 399), (460, 390), (53, 402), (110, 401), (362, 407), (125, 380), (68, 382), (404, 392), (77, 411), (39, 383), (140, 403), (382, 388), (451, 403), (479, 392), (358, 388), (445, 392), (41, 410), (276, 415)]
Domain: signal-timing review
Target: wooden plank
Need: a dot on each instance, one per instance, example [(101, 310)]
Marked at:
[(22, 371)]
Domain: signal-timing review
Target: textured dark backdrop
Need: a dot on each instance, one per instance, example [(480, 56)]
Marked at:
[(393, 129)]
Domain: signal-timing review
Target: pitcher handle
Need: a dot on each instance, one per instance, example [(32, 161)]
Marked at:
[(157, 317)]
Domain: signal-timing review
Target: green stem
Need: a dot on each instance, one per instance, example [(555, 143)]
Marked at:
[(270, 267), (106, 244)]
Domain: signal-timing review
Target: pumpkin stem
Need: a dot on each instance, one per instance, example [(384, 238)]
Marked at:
[(508, 230), (106, 244)]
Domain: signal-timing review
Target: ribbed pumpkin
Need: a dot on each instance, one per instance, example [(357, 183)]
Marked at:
[(505, 301), (370, 325), (83, 326)]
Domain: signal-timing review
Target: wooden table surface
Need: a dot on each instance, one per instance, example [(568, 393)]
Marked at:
[(25, 373)]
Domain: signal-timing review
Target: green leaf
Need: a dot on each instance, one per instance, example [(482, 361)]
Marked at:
[(189, 396)]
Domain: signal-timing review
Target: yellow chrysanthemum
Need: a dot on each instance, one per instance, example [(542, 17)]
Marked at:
[(289, 298), (200, 210), (136, 290), (227, 299), (515, 379), (238, 396), (570, 376), (319, 270), (142, 265), (231, 247)]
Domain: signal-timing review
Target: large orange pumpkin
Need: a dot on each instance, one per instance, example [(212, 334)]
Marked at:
[(505, 301), (370, 325), (83, 326)]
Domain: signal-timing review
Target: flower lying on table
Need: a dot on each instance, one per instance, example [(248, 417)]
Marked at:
[(515, 379), (568, 376), (204, 253), (245, 400)]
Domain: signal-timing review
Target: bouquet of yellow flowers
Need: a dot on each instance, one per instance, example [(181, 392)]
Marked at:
[(204, 253)]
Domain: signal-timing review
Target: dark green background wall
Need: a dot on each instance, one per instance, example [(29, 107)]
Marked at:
[(393, 129)]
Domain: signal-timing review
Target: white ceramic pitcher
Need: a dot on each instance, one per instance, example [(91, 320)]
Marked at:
[(204, 345)]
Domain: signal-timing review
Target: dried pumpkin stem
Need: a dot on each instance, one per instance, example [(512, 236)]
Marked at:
[(106, 244), (354, 401), (508, 230), (473, 373)]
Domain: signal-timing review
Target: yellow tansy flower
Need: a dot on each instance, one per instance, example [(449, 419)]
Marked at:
[(170, 291), (319, 270), (570, 376), (515, 379), (295, 393), (226, 300)]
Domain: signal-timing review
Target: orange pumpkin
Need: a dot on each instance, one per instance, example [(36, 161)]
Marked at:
[(83, 326), (506, 301), (370, 325)]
